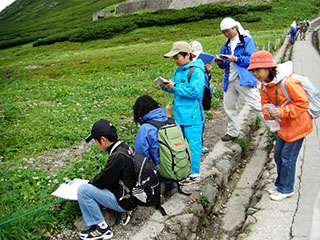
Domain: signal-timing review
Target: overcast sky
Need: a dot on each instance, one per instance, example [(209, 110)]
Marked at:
[(4, 3)]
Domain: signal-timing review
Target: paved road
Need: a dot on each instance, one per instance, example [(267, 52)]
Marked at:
[(291, 218)]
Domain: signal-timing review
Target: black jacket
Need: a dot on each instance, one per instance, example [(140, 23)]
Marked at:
[(118, 168)]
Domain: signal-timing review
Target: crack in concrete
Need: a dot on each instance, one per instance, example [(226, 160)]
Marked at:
[(299, 177)]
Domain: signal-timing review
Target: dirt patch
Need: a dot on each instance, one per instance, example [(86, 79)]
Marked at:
[(33, 66), (214, 129)]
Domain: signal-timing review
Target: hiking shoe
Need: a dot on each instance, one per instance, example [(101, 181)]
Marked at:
[(126, 216), (278, 196), (95, 232), (204, 150), (227, 138), (190, 180)]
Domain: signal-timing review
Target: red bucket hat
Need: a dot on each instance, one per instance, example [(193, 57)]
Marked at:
[(261, 59)]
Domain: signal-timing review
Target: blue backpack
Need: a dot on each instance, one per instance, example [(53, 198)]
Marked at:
[(312, 92)]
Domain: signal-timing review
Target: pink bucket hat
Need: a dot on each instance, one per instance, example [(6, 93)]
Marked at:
[(261, 59)]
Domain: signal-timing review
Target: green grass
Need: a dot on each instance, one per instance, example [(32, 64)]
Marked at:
[(36, 17), (50, 108)]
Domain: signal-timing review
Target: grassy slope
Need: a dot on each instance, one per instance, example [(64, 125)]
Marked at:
[(27, 17), (54, 106)]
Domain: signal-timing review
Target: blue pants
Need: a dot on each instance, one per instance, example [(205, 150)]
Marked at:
[(285, 156), (193, 133), (89, 198), (292, 38)]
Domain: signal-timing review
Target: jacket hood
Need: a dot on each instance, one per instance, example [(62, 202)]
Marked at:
[(158, 114), (284, 70), (197, 63)]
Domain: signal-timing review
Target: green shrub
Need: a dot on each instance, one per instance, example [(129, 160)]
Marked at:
[(16, 42), (107, 28), (247, 18), (259, 8), (220, 11), (60, 37)]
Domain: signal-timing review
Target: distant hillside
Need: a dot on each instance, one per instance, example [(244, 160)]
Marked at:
[(24, 18), (50, 21)]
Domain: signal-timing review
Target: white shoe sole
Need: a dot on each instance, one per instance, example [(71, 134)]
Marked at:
[(106, 236), (109, 236), (187, 183), (281, 197)]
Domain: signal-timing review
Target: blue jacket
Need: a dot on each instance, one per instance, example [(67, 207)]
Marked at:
[(147, 136), (187, 108), (242, 51), (293, 31)]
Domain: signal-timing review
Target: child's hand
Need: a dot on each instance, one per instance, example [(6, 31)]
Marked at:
[(218, 61), (167, 84), (276, 114), (232, 58), (208, 67), (171, 84), (163, 86)]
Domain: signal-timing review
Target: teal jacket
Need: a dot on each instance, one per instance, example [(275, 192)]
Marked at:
[(187, 108)]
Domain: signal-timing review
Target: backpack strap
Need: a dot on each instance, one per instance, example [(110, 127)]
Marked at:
[(285, 92), (159, 124), (191, 69), (242, 41), (190, 73), (149, 150), (265, 89), (129, 153)]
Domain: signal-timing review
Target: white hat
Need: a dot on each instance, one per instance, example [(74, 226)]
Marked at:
[(227, 23), (196, 47)]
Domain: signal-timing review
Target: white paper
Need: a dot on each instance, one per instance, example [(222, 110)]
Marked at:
[(69, 190)]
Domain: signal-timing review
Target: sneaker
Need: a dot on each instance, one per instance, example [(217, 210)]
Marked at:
[(95, 232), (278, 196), (227, 138), (204, 150), (272, 190), (125, 217), (190, 180)]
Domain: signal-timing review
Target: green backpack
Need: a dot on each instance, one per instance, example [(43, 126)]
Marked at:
[(174, 150)]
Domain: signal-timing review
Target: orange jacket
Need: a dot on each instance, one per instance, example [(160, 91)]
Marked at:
[(296, 122)]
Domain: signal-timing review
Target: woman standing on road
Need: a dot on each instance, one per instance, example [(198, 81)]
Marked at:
[(294, 120)]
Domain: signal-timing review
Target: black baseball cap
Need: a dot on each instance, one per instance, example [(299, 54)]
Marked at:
[(103, 128)]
